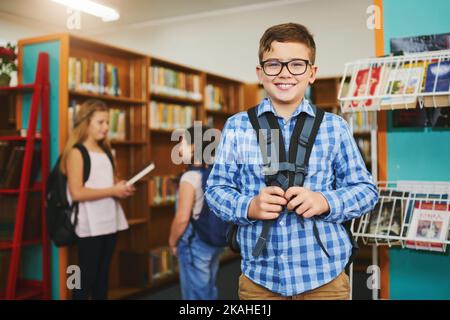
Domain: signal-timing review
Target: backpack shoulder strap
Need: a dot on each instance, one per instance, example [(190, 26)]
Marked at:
[(302, 142), (267, 124), (86, 161)]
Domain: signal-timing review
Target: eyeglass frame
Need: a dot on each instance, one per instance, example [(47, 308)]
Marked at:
[(285, 64)]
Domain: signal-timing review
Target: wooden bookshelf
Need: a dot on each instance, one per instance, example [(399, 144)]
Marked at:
[(131, 78), (223, 98)]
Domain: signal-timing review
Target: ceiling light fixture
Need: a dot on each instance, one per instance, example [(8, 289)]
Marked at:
[(90, 7)]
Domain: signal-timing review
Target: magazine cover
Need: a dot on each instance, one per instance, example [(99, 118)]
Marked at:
[(429, 225), (388, 220)]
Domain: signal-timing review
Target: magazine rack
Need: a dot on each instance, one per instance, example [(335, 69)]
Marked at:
[(399, 199), (391, 67)]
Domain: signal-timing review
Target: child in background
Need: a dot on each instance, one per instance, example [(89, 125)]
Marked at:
[(100, 215), (198, 261)]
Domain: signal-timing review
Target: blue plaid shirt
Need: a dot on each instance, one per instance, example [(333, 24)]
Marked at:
[(292, 262)]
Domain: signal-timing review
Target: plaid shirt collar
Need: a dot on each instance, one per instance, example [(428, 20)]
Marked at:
[(267, 106)]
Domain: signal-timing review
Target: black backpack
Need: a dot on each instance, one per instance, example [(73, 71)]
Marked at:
[(58, 210), (291, 167)]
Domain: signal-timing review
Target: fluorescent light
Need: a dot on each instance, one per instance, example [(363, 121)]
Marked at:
[(90, 7)]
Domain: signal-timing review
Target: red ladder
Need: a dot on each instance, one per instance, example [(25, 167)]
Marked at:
[(18, 288)]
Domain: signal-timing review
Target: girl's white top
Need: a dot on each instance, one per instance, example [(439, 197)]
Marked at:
[(102, 216)]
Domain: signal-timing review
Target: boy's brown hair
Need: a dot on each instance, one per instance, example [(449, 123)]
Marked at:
[(287, 32)]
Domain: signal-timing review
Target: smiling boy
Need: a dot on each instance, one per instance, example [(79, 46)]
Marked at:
[(336, 189)]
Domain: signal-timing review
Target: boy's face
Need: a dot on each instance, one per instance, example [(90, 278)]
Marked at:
[(285, 88)]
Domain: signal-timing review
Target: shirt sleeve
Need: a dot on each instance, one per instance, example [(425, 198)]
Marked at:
[(223, 186), (355, 193)]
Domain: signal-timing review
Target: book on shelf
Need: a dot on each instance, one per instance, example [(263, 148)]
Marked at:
[(162, 189), (366, 82), (219, 98), (162, 262), (93, 76), (428, 229), (386, 219), (360, 121), (170, 116), (117, 124), (405, 80), (174, 83), (12, 158), (438, 80), (72, 112)]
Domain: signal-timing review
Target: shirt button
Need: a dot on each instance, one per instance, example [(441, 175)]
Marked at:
[(282, 257), (281, 223)]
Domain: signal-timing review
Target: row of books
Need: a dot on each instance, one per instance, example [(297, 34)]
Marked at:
[(32, 225), (395, 81), (162, 263), (139, 269), (11, 162), (428, 220), (117, 121), (360, 121), (170, 116), (162, 189), (220, 98), (93, 76), (174, 83)]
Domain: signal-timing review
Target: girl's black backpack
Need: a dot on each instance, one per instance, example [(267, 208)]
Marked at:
[(58, 210)]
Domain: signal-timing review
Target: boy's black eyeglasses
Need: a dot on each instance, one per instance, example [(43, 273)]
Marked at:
[(274, 67)]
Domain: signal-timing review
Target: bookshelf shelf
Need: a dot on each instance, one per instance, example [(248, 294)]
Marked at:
[(128, 142), (162, 205), (174, 99), (162, 131), (135, 222), (362, 134), (17, 89), (109, 98)]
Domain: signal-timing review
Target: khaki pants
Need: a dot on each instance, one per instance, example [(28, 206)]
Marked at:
[(337, 289)]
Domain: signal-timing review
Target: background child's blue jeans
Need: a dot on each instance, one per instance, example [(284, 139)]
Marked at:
[(198, 263)]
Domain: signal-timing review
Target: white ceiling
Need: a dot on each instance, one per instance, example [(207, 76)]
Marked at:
[(133, 12)]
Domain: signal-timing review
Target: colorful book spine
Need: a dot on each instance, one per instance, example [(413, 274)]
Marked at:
[(175, 83), (170, 116), (162, 189), (93, 76)]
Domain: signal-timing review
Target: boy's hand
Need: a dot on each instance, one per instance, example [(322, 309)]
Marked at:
[(306, 202), (267, 204)]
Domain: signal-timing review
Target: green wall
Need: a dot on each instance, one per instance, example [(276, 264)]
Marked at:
[(32, 256), (417, 154)]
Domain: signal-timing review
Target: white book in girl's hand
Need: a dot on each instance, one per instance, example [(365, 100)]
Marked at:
[(141, 174)]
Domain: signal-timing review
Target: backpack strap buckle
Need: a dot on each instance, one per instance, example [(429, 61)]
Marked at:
[(301, 169), (303, 141)]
